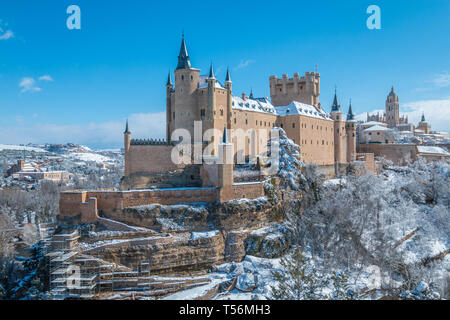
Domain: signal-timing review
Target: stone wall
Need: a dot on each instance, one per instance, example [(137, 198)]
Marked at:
[(150, 158), (79, 205), (397, 153), (186, 177)]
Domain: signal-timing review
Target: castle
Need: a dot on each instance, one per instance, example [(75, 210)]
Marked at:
[(325, 139), (232, 133)]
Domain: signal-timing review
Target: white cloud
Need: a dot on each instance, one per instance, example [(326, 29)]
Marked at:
[(437, 113), (442, 80), (5, 35), (28, 84), (244, 64), (141, 125), (46, 78)]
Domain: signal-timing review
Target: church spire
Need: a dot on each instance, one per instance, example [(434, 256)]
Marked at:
[(350, 115), (423, 117), (336, 107), (183, 58)]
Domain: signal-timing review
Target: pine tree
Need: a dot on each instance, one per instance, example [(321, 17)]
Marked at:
[(297, 280), (35, 275), (341, 287)]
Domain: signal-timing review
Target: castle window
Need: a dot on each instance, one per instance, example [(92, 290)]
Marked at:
[(234, 120), (246, 121), (192, 78), (202, 112), (293, 125), (281, 126), (221, 112), (182, 77)]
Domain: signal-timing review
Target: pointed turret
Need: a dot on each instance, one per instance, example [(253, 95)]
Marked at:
[(169, 80), (423, 117), (126, 128), (350, 115), (211, 72), (183, 57), (224, 138), (228, 78), (251, 93), (336, 107)]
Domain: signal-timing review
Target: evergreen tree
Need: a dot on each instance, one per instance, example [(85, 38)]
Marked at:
[(34, 282), (297, 280)]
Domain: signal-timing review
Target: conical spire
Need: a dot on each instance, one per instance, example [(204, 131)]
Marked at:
[(211, 72), (336, 107), (228, 78), (251, 93), (423, 117), (183, 57), (169, 80), (126, 128), (350, 115), (224, 138)]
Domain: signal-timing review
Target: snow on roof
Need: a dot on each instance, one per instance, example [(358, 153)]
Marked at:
[(377, 128), (203, 83), (430, 149), (373, 123), (255, 105), (302, 109), (404, 125)]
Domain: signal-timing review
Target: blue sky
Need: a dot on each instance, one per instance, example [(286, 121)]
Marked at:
[(60, 85)]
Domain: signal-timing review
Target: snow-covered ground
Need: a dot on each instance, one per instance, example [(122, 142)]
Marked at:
[(89, 157), (20, 148)]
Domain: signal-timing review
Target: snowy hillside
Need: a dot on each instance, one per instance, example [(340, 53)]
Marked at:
[(20, 148)]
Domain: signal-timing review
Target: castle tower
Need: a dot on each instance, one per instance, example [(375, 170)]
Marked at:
[(225, 169), (184, 104), (229, 87), (305, 89), (392, 110), (339, 131), (350, 129), (169, 90), (126, 147), (209, 123)]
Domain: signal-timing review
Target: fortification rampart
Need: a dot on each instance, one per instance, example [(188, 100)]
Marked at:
[(83, 206), (399, 154)]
